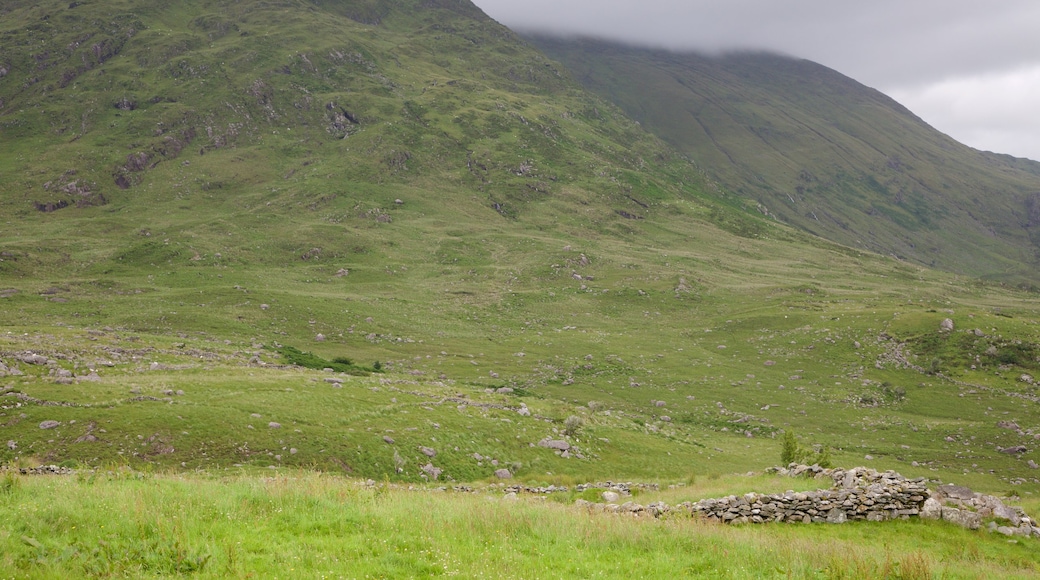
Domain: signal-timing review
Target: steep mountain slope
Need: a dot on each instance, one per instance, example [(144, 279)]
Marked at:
[(201, 106), (822, 152)]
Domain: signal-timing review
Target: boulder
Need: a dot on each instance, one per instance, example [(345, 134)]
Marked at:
[(503, 474), (558, 444), (955, 492), (611, 496), (1003, 512), (32, 359), (963, 518), (946, 325), (1015, 450), (49, 424), (433, 472), (932, 509)]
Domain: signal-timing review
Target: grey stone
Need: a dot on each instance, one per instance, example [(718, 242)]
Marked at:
[(932, 509), (388, 439), (836, 516), (558, 444), (1003, 512), (611, 496), (1015, 450), (433, 472), (274, 425), (963, 518), (428, 451), (503, 474), (955, 491), (946, 325), (49, 424)]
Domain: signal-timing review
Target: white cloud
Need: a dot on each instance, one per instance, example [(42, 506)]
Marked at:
[(962, 65), (994, 111)]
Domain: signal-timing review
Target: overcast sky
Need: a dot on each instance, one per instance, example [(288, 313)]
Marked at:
[(969, 68)]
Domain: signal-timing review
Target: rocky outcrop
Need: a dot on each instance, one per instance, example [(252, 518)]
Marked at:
[(962, 506)]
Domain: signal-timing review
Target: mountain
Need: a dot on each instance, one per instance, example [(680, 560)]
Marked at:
[(815, 149), (205, 204)]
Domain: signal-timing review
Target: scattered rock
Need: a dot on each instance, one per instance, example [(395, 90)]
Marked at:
[(273, 425), (431, 471), (319, 337), (504, 390), (49, 424), (12, 445), (558, 444), (503, 474), (1014, 450), (946, 325), (32, 358), (428, 451), (388, 439), (611, 496)]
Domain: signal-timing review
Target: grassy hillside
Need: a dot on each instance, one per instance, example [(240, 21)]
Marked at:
[(820, 151), (207, 204), (481, 223)]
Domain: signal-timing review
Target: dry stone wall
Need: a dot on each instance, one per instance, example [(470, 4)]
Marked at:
[(858, 494), (855, 494)]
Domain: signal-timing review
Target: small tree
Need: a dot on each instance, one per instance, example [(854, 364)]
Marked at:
[(790, 452)]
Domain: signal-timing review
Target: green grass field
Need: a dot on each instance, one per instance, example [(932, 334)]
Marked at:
[(303, 525)]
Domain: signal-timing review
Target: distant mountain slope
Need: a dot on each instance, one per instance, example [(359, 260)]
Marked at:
[(818, 150)]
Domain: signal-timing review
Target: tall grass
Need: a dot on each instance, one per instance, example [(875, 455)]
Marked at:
[(304, 525)]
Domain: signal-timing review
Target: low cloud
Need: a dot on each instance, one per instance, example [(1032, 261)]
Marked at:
[(920, 52), (994, 111)]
